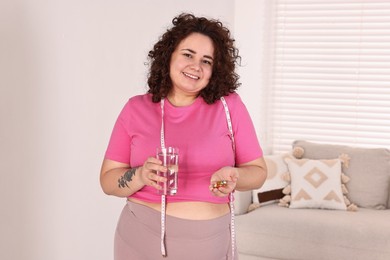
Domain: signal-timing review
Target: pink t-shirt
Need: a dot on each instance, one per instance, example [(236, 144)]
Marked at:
[(200, 132)]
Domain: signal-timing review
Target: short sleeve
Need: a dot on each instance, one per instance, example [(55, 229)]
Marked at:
[(119, 145), (247, 144)]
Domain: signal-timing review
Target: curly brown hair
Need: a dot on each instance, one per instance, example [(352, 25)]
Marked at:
[(224, 79)]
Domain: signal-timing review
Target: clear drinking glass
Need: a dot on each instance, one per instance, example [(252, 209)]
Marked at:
[(170, 158)]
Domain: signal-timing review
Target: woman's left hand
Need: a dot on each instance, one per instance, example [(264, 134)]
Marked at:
[(229, 174)]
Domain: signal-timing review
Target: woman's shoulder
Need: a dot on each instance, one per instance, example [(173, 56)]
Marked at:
[(236, 105), (138, 103), (140, 99), (233, 99)]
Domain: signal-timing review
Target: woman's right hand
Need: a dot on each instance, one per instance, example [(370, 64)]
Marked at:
[(148, 173)]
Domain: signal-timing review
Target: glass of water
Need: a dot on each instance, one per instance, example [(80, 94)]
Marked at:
[(170, 158)]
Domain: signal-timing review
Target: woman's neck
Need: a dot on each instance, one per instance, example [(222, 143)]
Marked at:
[(181, 100)]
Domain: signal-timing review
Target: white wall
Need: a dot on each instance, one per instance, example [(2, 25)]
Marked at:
[(253, 39), (66, 69)]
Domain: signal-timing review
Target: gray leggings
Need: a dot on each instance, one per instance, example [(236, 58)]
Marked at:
[(137, 236)]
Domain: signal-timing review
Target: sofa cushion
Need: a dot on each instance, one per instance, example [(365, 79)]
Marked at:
[(273, 185), (316, 184), (280, 233), (369, 170)]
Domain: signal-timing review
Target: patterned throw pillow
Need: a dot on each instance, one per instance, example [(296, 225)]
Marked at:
[(316, 184), (369, 170)]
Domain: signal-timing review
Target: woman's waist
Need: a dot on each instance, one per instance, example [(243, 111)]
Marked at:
[(185, 193), (192, 210)]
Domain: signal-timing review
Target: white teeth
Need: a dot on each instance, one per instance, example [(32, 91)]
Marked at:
[(191, 76)]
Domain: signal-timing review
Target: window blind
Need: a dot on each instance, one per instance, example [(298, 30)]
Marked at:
[(330, 73)]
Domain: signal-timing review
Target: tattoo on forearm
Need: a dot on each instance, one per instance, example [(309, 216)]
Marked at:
[(127, 177)]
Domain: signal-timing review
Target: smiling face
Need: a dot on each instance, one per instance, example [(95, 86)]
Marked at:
[(191, 66)]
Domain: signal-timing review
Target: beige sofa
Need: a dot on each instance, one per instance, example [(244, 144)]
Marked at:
[(271, 231)]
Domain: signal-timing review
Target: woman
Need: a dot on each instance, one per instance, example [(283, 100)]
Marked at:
[(191, 67)]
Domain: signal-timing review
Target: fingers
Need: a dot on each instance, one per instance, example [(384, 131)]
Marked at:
[(149, 172), (222, 188), (224, 181)]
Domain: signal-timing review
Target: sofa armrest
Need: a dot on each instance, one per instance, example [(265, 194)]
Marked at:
[(242, 200)]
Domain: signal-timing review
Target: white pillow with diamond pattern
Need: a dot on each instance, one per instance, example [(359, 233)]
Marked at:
[(316, 184)]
